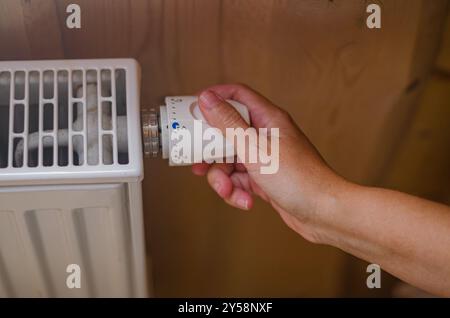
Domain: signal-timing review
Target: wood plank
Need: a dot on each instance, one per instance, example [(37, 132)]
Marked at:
[(13, 34), (443, 60), (421, 166), (428, 40)]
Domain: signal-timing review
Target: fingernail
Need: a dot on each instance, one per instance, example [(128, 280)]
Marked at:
[(243, 203), (217, 187), (209, 99)]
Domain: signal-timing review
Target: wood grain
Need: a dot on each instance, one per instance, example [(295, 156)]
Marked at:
[(346, 85)]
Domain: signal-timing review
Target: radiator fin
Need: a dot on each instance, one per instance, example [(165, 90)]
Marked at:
[(60, 117)]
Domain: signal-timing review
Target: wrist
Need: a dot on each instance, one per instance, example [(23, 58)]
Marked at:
[(329, 216)]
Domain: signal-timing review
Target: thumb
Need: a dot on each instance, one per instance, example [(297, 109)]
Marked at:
[(219, 113)]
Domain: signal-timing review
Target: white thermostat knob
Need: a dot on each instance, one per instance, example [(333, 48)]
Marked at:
[(181, 112)]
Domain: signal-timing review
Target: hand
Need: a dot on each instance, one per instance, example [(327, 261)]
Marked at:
[(304, 186)]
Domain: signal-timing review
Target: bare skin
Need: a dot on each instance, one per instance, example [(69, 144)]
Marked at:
[(407, 236)]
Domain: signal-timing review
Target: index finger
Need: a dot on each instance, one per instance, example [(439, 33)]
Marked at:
[(261, 109)]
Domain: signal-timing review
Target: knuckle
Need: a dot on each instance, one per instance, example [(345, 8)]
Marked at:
[(231, 118), (284, 115), (282, 112), (242, 86)]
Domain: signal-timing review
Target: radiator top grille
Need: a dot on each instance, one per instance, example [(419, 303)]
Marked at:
[(69, 116)]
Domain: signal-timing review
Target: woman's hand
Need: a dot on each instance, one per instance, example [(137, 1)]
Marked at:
[(303, 187)]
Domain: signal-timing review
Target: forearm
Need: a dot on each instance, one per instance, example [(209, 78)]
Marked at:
[(407, 236)]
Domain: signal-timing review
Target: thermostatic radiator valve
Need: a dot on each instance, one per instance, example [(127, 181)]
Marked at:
[(180, 112)]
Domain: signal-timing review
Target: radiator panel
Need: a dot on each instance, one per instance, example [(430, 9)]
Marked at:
[(39, 241)]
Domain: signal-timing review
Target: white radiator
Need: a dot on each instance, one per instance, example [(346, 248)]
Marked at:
[(70, 179)]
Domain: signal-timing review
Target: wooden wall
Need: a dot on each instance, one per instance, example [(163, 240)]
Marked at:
[(354, 91)]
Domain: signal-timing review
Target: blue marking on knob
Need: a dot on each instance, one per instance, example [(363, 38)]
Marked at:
[(175, 125)]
